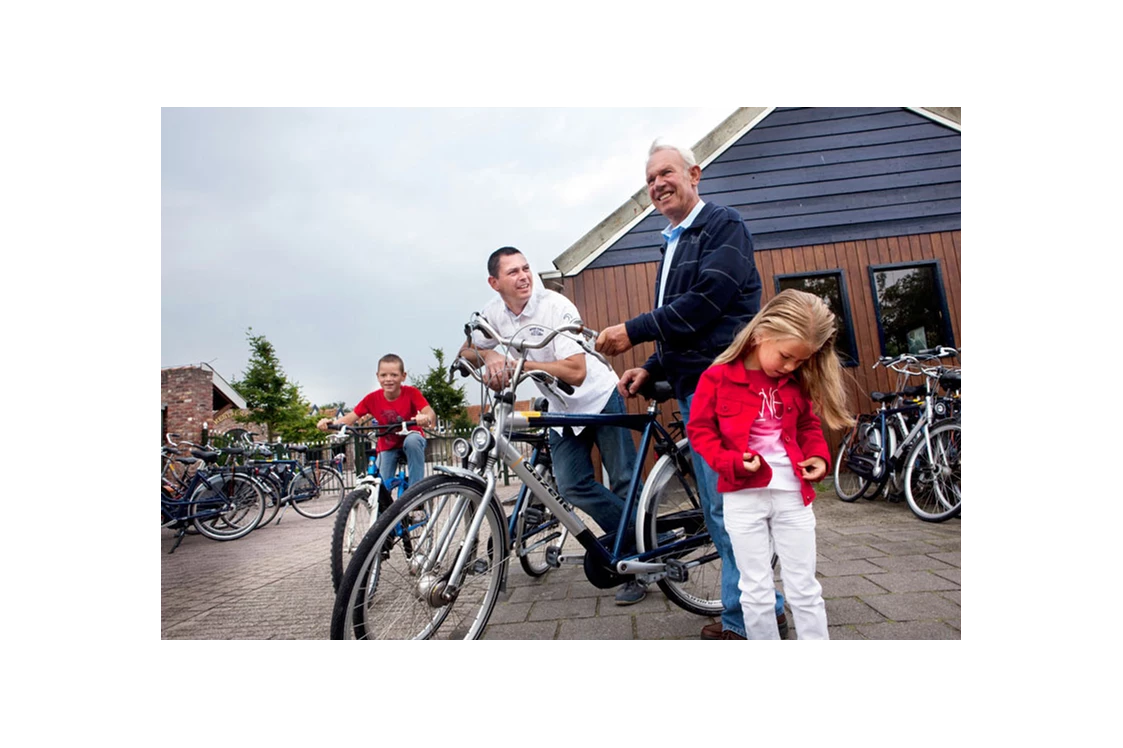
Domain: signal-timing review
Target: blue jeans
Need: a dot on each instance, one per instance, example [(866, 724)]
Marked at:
[(414, 447), (713, 512), (573, 469)]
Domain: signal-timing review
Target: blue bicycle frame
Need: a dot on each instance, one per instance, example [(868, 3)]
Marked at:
[(650, 430)]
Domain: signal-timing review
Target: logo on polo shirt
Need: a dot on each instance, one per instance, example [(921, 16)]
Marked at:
[(536, 331)]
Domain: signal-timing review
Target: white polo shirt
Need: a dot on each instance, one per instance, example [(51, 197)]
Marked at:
[(544, 311)]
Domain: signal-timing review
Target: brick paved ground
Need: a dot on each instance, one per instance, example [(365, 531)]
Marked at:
[(885, 575)]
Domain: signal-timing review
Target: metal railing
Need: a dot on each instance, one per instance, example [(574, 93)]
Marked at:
[(357, 449)]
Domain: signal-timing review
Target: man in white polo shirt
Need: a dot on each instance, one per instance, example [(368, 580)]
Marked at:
[(524, 308)]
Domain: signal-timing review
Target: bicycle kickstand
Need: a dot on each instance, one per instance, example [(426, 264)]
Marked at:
[(178, 539)]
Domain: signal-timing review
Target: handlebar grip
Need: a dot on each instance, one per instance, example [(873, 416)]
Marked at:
[(565, 386)]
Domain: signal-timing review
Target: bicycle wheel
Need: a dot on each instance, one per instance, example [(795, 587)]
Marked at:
[(273, 496), (848, 485), (356, 515), (932, 481), (537, 530), (673, 512), (237, 503), (393, 586), (316, 491)]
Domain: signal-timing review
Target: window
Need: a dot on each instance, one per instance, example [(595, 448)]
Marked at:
[(830, 286), (912, 313)]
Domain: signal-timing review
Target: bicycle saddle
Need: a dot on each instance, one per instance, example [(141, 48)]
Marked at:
[(658, 391)]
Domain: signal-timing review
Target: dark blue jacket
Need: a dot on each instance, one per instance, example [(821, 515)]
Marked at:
[(713, 290)]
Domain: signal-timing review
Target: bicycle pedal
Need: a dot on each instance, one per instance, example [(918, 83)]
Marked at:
[(552, 556), (479, 567), (533, 515), (676, 570)]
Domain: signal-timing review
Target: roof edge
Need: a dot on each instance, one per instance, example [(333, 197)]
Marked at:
[(590, 246), (224, 387), (945, 115)]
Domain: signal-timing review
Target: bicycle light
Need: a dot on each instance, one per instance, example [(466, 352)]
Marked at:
[(481, 438), (461, 448)]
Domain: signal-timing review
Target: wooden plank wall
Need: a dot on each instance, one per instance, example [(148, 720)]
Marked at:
[(607, 296)]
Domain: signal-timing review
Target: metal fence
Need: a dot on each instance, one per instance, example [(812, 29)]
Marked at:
[(357, 450)]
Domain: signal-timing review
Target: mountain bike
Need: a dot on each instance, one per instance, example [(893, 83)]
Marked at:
[(446, 582), (361, 506)]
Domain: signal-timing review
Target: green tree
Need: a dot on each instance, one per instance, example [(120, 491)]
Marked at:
[(271, 399), (448, 400)]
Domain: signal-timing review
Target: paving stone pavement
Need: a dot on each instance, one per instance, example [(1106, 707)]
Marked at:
[(885, 575)]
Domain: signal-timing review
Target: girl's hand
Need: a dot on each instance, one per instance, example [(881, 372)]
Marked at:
[(751, 462), (814, 468)]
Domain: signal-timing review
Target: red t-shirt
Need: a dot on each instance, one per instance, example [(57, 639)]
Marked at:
[(409, 403)]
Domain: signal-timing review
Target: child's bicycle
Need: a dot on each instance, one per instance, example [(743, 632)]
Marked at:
[(372, 494), (445, 582)]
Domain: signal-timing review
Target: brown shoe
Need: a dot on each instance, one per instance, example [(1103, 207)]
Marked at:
[(727, 634), (712, 631)]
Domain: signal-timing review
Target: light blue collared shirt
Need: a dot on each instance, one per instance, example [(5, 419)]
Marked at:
[(671, 234)]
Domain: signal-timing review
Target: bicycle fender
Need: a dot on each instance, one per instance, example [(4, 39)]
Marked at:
[(642, 509), (462, 473)]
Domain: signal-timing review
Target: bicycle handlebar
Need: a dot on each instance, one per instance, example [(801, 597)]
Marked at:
[(577, 327), (467, 370), (402, 426)]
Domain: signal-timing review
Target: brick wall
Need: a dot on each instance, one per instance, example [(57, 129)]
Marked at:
[(188, 393)]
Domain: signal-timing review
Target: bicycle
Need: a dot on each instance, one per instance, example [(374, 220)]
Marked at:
[(932, 469), (899, 410), (880, 448), (446, 581), (314, 490), (360, 508), (219, 505)]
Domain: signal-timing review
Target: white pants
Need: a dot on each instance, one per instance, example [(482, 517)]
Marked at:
[(754, 517)]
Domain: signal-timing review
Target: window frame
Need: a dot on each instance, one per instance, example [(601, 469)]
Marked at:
[(946, 330), (847, 338)]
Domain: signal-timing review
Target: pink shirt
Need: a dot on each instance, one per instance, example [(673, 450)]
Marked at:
[(766, 434)]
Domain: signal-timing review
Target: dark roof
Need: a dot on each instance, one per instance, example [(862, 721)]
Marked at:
[(806, 175)]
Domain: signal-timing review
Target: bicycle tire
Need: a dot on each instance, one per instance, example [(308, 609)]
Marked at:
[(385, 593), (672, 505), (245, 508), (932, 480), (274, 495), (240, 502), (532, 542), (316, 491), (848, 485), (356, 515)]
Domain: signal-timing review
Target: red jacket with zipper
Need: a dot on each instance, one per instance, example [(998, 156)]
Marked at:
[(722, 414)]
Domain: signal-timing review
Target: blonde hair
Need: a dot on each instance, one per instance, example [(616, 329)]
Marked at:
[(805, 317)]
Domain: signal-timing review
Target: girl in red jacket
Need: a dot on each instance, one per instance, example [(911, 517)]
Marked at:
[(753, 422)]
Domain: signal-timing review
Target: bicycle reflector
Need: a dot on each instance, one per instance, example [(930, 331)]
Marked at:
[(481, 438), (461, 448)]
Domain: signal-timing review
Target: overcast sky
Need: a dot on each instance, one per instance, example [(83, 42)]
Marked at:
[(344, 234)]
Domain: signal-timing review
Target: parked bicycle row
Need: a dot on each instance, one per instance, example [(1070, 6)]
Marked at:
[(252, 487), (912, 445)]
